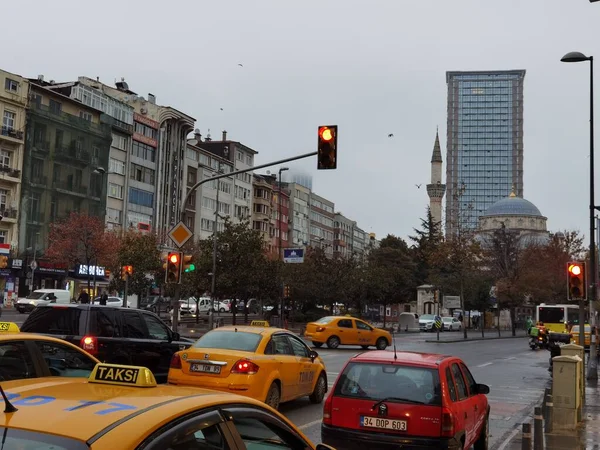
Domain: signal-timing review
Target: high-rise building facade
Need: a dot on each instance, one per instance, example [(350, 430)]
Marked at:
[(322, 214), (484, 143), (349, 239)]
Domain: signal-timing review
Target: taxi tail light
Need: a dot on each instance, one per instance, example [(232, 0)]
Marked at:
[(320, 329), (447, 423), (175, 362), (245, 367), (327, 410), (89, 344)]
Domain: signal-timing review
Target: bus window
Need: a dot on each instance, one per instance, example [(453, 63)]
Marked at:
[(573, 316), (548, 314)]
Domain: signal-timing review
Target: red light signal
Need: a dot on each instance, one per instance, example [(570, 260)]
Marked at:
[(327, 148), (174, 268), (174, 258), (576, 281)]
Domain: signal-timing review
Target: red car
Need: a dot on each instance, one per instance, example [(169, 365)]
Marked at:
[(388, 400)]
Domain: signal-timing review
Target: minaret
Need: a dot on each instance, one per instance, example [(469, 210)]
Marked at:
[(436, 189)]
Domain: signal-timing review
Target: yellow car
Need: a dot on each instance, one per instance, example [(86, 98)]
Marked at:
[(29, 355), (268, 364), (575, 334), (122, 407), (337, 330)]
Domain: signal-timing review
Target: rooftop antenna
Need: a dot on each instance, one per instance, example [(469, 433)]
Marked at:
[(8, 406)]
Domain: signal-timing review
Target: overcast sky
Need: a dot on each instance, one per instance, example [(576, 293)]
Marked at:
[(372, 67)]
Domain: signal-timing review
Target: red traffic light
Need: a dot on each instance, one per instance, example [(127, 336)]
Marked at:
[(174, 258), (574, 269), (326, 133)]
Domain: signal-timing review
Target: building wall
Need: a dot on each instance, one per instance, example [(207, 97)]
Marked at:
[(299, 214), (343, 236), (263, 220), (65, 142), (281, 222), (14, 93), (485, 142), (322, 214)]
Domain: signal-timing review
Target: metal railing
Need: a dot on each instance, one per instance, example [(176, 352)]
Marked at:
[(69, 119), (11, 132), (70, 187)]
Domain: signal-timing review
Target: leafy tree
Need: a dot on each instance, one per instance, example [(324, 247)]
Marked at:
[(140, 251), (425, 242), (82, 239)]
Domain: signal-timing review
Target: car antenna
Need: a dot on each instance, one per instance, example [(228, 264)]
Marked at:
[(394, 339), (8, 406)]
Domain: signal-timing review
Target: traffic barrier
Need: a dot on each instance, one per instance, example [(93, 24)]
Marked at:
[(549, 414), (538, 429), (526, 437)]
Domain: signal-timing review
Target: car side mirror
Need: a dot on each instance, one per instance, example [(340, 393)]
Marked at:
[(313, 355), (483, 389), (175, 336), (324, 447)]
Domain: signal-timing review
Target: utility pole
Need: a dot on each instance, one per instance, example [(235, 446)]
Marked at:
[(280, 253), (214, 261)]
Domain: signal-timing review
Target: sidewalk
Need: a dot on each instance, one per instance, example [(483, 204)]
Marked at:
[(587, 436)]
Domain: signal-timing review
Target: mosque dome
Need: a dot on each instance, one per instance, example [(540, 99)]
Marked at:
[(513, 206)]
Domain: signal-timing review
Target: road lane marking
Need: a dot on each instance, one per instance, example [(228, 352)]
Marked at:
[(485, 364), (309, 424), (510, 437)]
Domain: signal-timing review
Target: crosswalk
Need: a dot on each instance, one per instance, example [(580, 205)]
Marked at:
[(508, 401)]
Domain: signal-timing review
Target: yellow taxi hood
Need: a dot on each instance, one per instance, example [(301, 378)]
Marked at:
[(76, 408)]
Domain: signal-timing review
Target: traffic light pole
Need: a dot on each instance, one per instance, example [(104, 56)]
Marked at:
[(592, 361)]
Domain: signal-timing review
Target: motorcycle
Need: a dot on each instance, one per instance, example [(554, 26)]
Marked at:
[(536, 342)]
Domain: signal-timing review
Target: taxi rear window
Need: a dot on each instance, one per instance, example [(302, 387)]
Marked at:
[(229, 340), (31, 440), (378, 381), (325, 320)]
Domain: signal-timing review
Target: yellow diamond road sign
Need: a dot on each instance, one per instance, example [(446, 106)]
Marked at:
[(180, 234)]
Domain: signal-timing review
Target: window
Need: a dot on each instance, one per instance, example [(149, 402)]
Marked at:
[(199, 432), (115, 190), (3, 237), (11, 85), (85, 115), (142, 198), (363, 326), (156, 329), (345, 323), (460, 382), (143, 151), (142, 174), (114, 215), (190, 221), (54, 321), (103, 323), (116, 166), (119, 141), (451, 386), (9, 120), (3, 199), (299, 348), (133, 326), (5, 157), (64, 361), (15, 361), (262, 434), (27, 440), (230, 340), (378, 381), (281, 346), (55, 107), (470, 380)]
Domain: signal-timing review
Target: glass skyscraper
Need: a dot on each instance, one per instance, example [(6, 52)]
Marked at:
[(484, 143)]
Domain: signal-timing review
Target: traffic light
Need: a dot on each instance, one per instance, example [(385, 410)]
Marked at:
[(576, 284), (3, 262), (174, 266), (286, 291), (126, 271), (188, 263), (327, 149)]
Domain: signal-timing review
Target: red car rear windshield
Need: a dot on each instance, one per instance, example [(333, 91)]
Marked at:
[(372, 381)]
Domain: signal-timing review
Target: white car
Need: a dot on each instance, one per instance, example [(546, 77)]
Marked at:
[(451, 324), (113, 301)]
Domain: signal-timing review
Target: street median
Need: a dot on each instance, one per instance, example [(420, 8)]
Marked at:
[(503, 335)]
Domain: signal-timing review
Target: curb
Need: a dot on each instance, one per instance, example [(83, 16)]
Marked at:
[(451, 341), (511, 435)]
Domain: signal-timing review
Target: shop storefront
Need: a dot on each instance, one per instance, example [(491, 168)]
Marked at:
[(92, 279), (45, 274)]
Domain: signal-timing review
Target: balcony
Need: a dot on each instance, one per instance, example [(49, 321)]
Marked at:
[(40, 145), (117, 124), (9, 215), (38, 180), (69, 119), (72, 152), (70, 187), (14, 135), (9, 172)]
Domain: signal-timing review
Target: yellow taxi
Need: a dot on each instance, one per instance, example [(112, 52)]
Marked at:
[(575, 334), (268, 364), (30, 355), (343, 330), (122, 407)]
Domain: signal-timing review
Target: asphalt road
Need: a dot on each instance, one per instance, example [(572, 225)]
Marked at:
[(516, 375), (12, 315)]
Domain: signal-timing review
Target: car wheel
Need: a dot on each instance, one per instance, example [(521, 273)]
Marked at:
[(381, 343), (365, 347), (482, 441), (273, 396), (221, 309), (317, 344), (320, 388), (333, 342)]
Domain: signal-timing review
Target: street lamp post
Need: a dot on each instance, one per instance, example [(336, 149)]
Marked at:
[(280, 250), (214, 259), (592, 361)]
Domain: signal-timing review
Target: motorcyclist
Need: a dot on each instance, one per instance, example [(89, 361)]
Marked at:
[(542, 332)]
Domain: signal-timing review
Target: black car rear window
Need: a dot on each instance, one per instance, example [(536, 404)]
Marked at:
[(31, 440), (372, 381), (229, 340), (53, 320)]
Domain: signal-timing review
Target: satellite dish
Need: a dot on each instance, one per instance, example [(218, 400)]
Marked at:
[(193, 142), (268, 172)]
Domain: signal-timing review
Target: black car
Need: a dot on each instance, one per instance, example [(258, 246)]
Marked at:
[(112, 334)]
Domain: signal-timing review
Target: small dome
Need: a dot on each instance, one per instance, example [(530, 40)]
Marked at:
[(513, 206)]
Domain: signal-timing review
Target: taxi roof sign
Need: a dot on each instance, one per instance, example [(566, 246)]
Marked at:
[(120, 375), (259, 323), (9, 327)]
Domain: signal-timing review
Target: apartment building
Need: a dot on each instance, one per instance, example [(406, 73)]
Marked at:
[(349, 239), (299, 200), (14, 93), (282, 219), (263, 208), (322, 216)]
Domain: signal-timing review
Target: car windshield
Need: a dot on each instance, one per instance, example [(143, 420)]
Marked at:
[(324, 320), (35, 295), (30, 440), (372, 381), (447, 319), (229, 340), (427, 317), (53, 320)]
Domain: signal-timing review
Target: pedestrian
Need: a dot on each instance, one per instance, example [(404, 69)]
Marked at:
[(460, 317), (104, 298), (84, 297), (528, 324)]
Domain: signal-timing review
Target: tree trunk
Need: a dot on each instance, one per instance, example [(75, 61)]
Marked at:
[(89, 281), (498, 312), (482, 323), (513, 314), (384, 312), (462, 305)]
